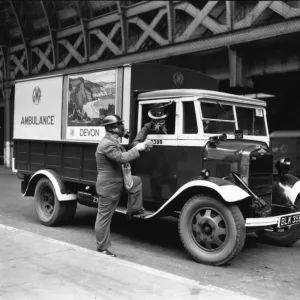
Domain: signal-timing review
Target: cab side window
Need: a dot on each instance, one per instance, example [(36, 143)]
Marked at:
[(189, 118), (162, 117)]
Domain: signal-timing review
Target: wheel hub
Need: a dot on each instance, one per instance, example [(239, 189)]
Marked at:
[(48, 202), (209, 229)]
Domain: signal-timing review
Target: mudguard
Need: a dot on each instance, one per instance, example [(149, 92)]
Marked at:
[(57, 183), (285, 190), (227, 190)]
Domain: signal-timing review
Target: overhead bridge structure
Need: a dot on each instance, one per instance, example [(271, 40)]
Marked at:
[(233, 41)]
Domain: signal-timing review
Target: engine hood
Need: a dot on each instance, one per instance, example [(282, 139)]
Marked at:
[(232, 150)]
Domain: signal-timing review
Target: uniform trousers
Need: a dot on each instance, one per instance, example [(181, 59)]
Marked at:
[(107, 206)]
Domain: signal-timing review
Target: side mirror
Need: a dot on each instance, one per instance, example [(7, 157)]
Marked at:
[(213, 139), (205, 173), (217, 138), (223, 137)]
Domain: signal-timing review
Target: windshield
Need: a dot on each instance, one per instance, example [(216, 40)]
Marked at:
[(221, 118)]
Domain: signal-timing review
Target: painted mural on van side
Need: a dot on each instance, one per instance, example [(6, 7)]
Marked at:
[(91, 97)]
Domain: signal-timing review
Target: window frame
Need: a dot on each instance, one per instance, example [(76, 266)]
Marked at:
[(263, 138), (160, 136), (187, 136)]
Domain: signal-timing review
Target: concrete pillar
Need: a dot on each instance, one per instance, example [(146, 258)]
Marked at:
[(7, 130), (238, 70)]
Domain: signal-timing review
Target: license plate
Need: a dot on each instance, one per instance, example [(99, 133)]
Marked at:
[(288, 220)]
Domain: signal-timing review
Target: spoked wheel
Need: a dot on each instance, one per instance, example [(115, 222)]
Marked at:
[(211, 232), (285, 236), (49, 209), (209, 229)]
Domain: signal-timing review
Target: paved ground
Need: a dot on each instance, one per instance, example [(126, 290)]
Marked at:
[(34, 267), (261, 271)]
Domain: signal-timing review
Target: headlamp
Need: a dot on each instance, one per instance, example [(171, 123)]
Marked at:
[(205, 173), (283, 165)]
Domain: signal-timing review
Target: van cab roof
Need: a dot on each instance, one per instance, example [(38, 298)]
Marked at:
[(174, 93), (285, 134)]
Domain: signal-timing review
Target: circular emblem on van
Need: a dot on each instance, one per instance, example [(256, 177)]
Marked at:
[(178, 79), (36, 95), (284, 148)]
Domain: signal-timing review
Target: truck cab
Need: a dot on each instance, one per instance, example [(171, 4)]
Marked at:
[(194, 116)]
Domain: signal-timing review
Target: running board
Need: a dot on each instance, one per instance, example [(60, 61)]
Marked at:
[(122, 210)]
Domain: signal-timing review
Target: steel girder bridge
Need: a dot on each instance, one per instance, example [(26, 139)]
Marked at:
[(229, 40)]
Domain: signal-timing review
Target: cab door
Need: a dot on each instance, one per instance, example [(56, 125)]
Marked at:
[(158, 167), (191, 141)]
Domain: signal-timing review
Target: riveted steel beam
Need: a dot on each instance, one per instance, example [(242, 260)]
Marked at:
[(113, 17), (24, 39), (43, 59), (86, 40), (244, 35), (277, 6), (3, 63), (148, 30), (106, 42), (72, 52), (214, 42), (200, 17), (171, 21), (4, 39), (230, 14), (121, 10), (19, 63), (51, 31), (253, 15), (83, 14)]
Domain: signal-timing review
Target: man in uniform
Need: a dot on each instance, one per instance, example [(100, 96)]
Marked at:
[(110, 156)]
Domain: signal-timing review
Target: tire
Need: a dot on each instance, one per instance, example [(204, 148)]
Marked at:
[(211, 232), (285, 236), (49, 209)]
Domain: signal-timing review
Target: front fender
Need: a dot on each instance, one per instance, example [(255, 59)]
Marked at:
[(285, 190), (227, 190)]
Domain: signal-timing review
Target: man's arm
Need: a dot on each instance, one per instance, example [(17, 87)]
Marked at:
[(114, 153), (142, 134)]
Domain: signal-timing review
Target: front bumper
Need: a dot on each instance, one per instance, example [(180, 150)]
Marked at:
[(262, 222), (269, 221)]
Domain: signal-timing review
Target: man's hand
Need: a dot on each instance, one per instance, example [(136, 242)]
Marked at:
[(144, 146), (149, 145)]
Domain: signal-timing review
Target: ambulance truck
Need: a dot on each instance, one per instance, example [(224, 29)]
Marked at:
[(211, 168)]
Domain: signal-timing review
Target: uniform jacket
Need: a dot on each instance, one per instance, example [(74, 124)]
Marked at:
[(110, 155)]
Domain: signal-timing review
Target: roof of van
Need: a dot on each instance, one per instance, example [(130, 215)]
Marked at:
[(285, 134), (199, 93)]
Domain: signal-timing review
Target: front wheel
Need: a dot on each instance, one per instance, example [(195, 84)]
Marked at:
[(285, 236), (210, 231), (49, 209)]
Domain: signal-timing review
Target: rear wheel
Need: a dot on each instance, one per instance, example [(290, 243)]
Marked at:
[(49, 209), (211, 232), (285, 236)]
